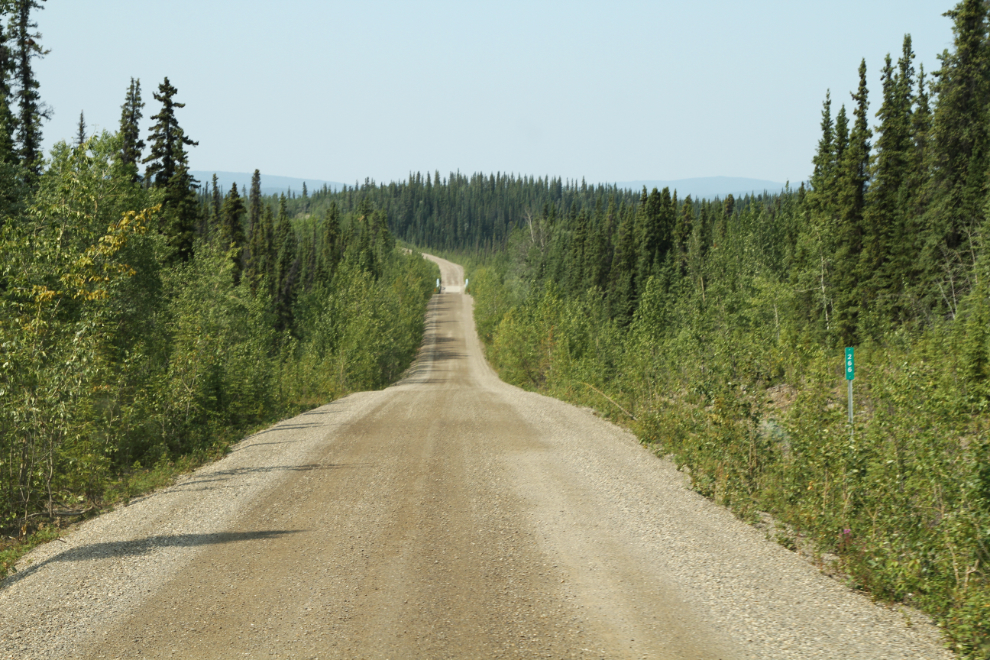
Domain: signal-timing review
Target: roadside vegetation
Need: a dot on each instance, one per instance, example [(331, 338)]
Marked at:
[(146, 323)]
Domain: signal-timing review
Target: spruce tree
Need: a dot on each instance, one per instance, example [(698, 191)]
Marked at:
[(31, 111), (921, 124), (596, 248), (655, 224), (838, 152), (814, 249), (957, 158), (216, 207), (822, 175), (330, 248), (130, 128), (266, 271), (168, 170), (8, 122), (254, 229), (723, 220), (882, 216), (682, 234), (254, 200), (165, 135), (10, 173), (231, 234), (180, 209), (256, 263), (308, 261), (888, 249), (697, 248), (622, 286), (852, 179), (81, 130), (912, 250), (575, 261), (609, 231), (286, 266)]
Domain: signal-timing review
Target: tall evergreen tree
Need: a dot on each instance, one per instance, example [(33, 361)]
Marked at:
[(130, 127), (269, 249), (81, 130), (682, 234), (839, 152), (823, 175), (180, 210), (331, 249), (165, 135), (286, 266), (722, 222), (231, 231), (814, 250), (31, 111), (257, 263), (957, 157), (882, 264), (8, 122), (254, 200), (595, 252), (254, 229), (10, 176), (853, 177), (575, 261), (168, 170), (622, 285), (216, 206), (655, 224), (921, 125)]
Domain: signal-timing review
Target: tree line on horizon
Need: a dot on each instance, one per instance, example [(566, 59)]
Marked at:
[(458, 212)]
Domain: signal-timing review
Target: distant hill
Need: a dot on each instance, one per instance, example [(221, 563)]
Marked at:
[(709, 187), (270, 185)]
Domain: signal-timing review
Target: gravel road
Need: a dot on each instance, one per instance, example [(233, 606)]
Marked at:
[(450, 515)]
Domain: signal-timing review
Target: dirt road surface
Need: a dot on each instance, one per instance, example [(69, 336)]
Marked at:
[(448, 516)]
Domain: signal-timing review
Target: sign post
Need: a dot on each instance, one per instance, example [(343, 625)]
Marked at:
[(850, 374)]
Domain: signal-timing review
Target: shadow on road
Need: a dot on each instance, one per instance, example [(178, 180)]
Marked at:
[(145, 546)]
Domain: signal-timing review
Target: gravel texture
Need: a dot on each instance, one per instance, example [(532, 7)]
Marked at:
[(451, 515)]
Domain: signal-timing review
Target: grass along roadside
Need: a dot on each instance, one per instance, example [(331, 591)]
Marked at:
[(899, 510), (136, 482)]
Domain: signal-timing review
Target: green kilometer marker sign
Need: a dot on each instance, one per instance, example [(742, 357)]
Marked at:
[(850, 374)]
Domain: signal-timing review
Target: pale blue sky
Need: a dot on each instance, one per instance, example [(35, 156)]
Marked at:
[(613, 91)]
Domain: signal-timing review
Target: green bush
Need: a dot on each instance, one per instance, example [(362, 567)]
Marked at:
[(738, 392)]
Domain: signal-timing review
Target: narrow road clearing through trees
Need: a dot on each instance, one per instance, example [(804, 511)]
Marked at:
[(448, 516)]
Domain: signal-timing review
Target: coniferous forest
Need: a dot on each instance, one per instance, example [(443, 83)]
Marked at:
[(147, 321)]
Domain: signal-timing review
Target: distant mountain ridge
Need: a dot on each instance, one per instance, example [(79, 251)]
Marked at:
[(270, 185), (709, 187)]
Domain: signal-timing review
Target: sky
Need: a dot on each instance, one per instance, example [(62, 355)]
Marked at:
[(606, 91)]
